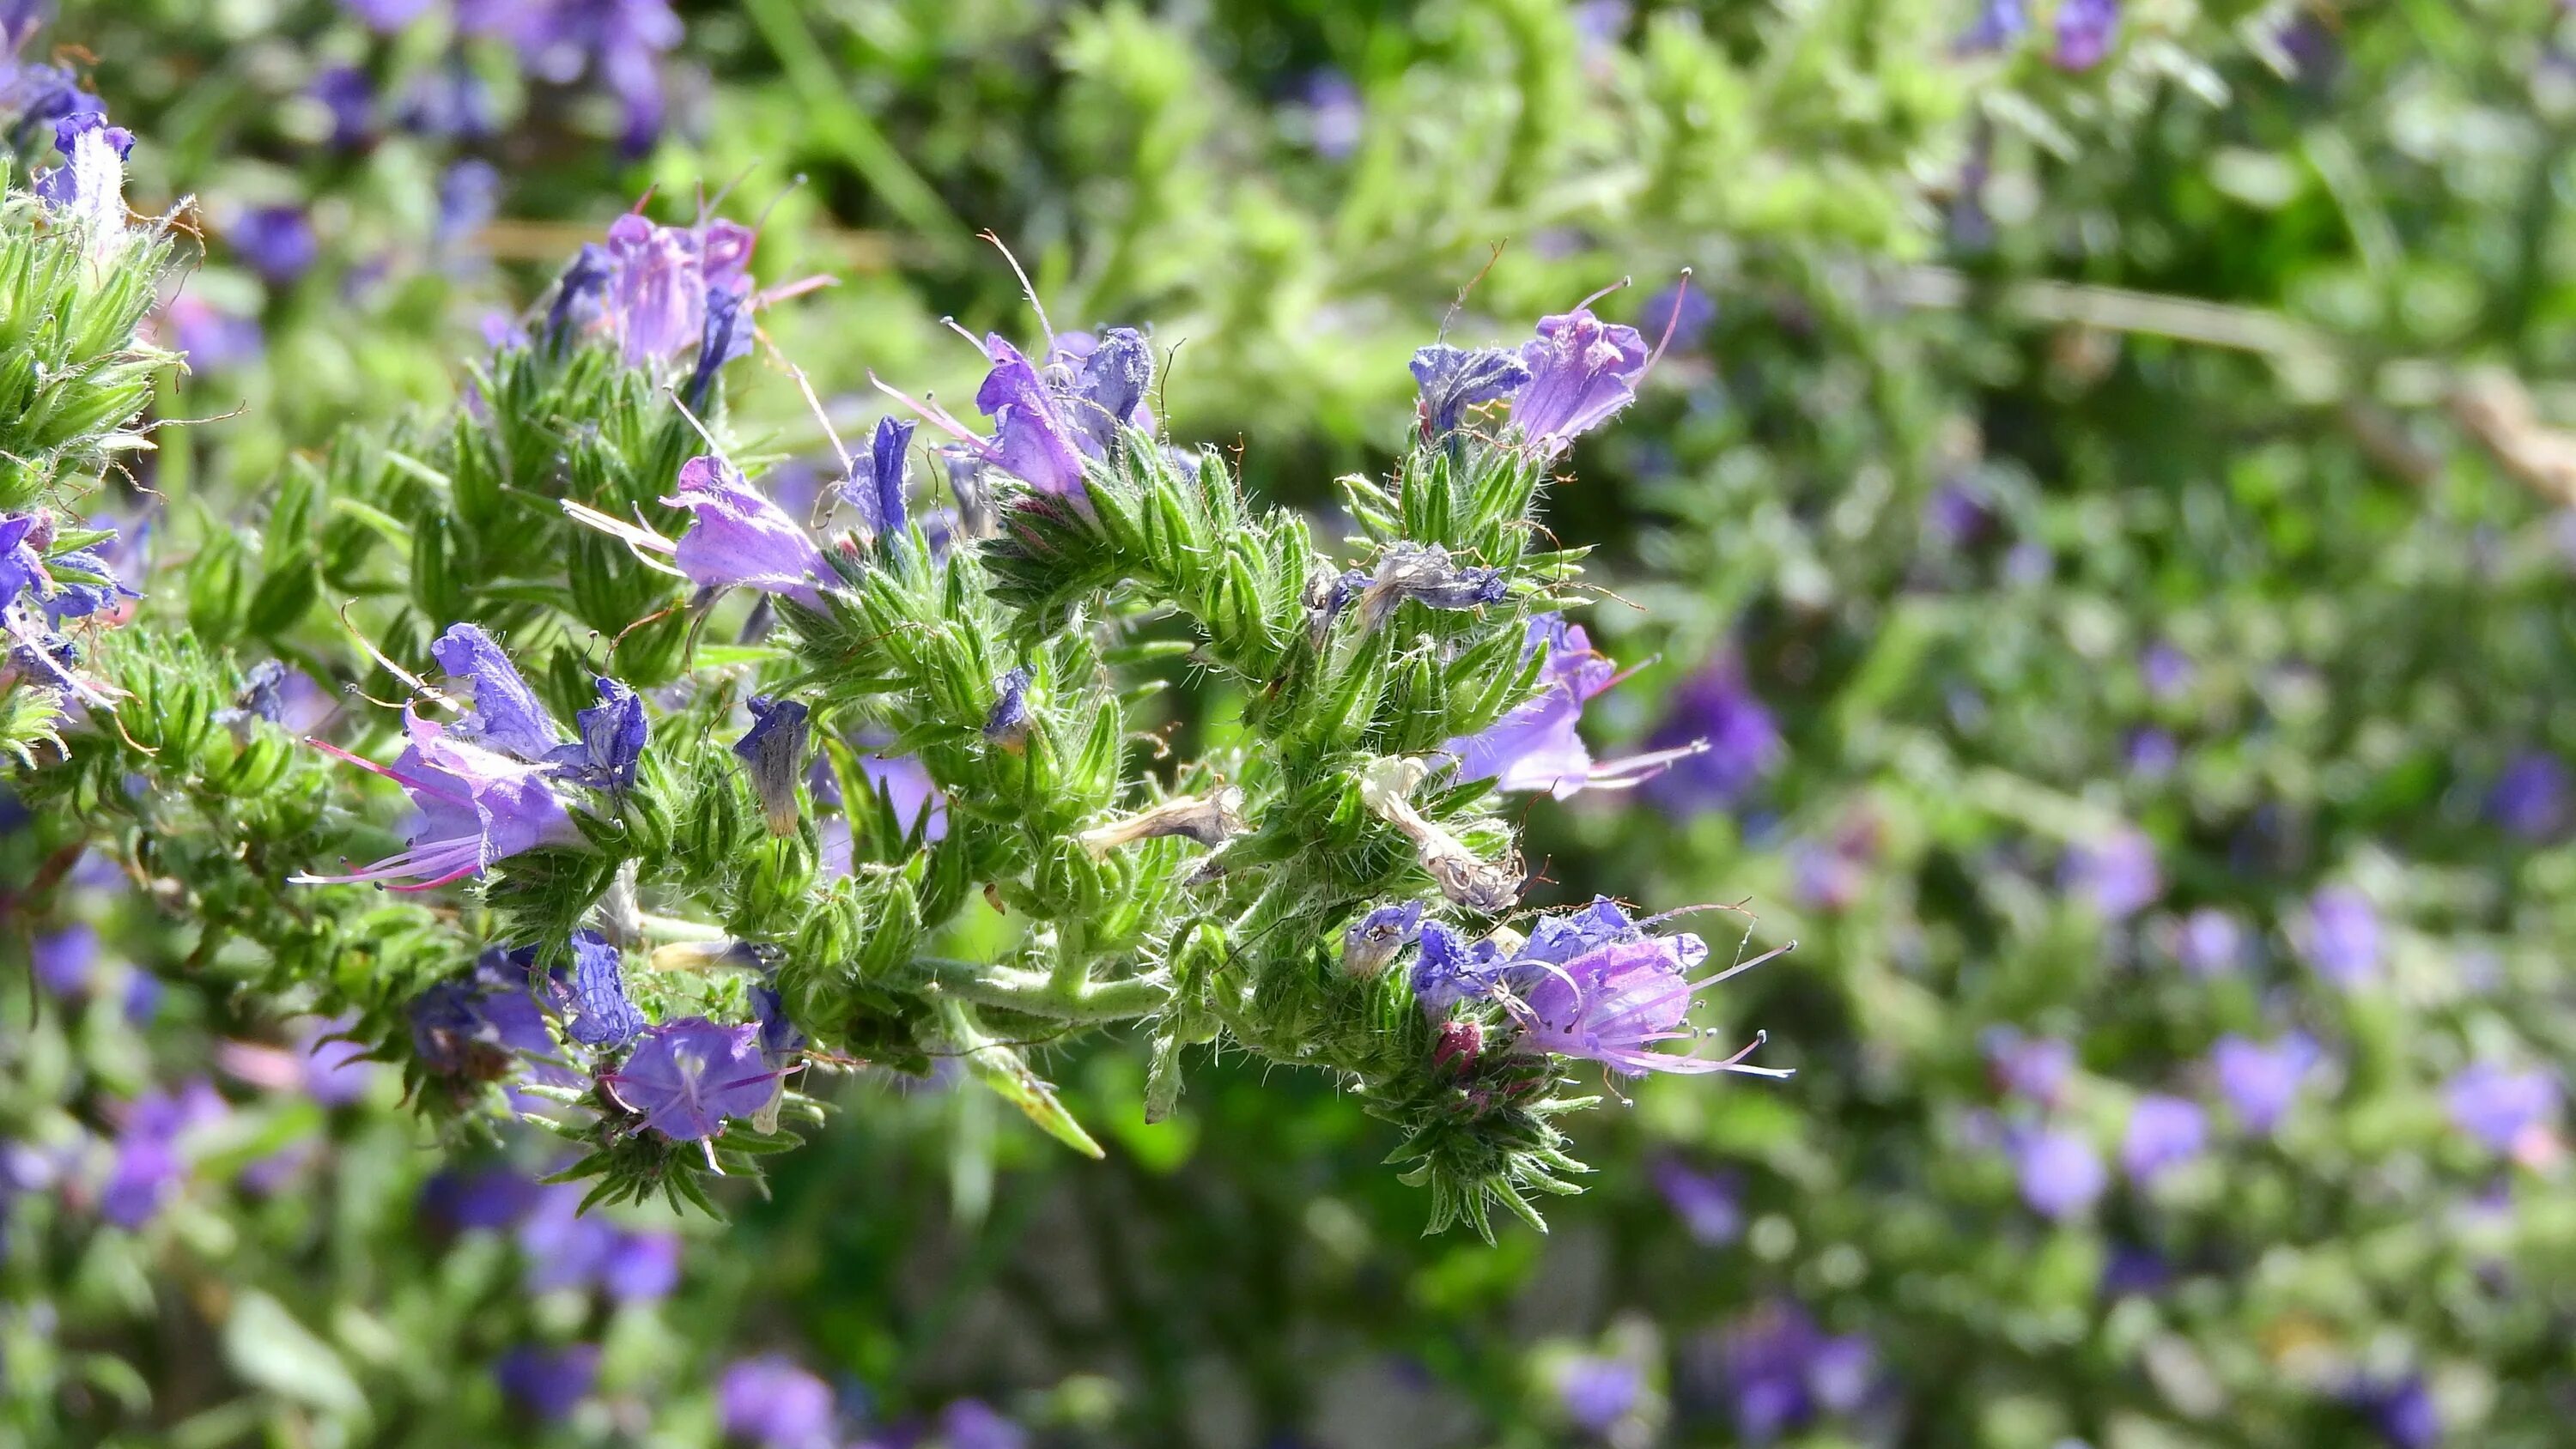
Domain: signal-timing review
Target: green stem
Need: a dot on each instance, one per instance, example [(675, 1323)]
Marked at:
[(1038, 993)]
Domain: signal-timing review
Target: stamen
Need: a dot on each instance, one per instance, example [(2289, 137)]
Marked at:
[(1672, 322), (1604, 292), (1028, 289)]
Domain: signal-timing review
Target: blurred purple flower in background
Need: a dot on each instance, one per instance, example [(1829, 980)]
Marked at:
[(2117, 873), (277, 242), (2033, 1068), (65, 960), (1782, 1371), (2498, 1107), (1597, 1391), (2339, 936), (489, 1197), (2085, 31), (1743, 744), (469, 196), (2401, 1411), (772, 1403), (974, 1424), (211, 340), (2209, 942), (1334, 116), (2153, 753), (1709, 1204), (2164, 1132), (387, 15), (2166, 671), (548, 1383), (1682, 312), (1999, 23), (151, 1157), (350, 99), (2059, 1172), (2261, 1081), (335, 1072), (2531, 797)]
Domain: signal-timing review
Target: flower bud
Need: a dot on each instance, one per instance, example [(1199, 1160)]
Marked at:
[(773, 753)]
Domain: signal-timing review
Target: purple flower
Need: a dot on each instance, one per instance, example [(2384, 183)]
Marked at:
[(1033, 439), (771, 1403), (1103, 383), (1616, 1000), (2262, 1081), (1536, 747), (1449, 970), (1376, 938), (469, 196), (2033, 1068), (2085, 30), (595, 993), (2166, 670), (89, 187), (1007, 723), (548, 1383), (1582, 371), (1335, 115), (642, 1268), (486, 1025), (1783, 1371), (387, 15), (477, 807), (772, 752), (2059, 1173), (506, 715), (64, 960), (2153, 753), (1708, 1203), (2498, 1107), (19, 22), (336, 1071), (1454, 379), (489, 1197), (738, 537), (2531, 797), (277, 242), (2116, 873), (618, 43), (909, 792), (612, 740), (1742, 743), (151, 1157), (2163, 1133), (687, 1076), (659, 280), (1681, 314), (2209, 943), (2401, 1412), (1598, 1391), (780, 1041), (345, 92), (879, 497), (211, 341), (974, 1424), (2340, 936), (1999, 23)]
